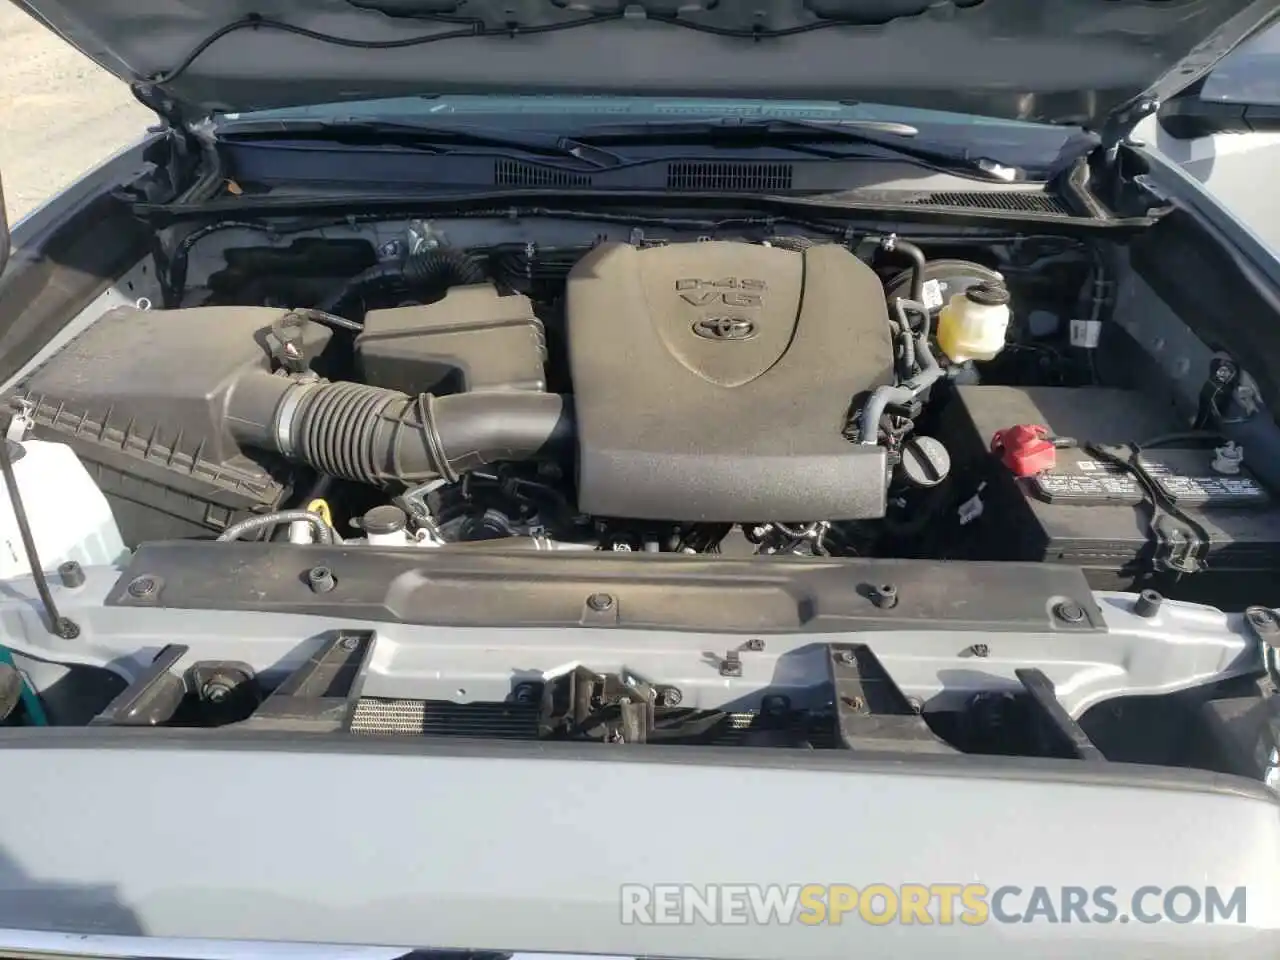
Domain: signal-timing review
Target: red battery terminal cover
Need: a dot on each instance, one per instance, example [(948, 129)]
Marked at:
[(1026, 449)]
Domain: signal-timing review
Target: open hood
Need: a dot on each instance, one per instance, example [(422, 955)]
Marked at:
[(1058, 61)]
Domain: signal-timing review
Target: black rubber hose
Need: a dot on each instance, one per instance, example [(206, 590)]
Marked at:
[(422, 275), (918, 263), (440, 268), (381, 278), (380, 437), (929, 373), (264, 521)]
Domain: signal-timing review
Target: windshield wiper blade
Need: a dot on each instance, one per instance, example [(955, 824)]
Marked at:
[(890, 135), (855, 129), (439, 139)]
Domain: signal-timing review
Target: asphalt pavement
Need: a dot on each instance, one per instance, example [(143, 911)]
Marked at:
[(60, 114)]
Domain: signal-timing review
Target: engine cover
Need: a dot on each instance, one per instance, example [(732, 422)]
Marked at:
[(712, 382)]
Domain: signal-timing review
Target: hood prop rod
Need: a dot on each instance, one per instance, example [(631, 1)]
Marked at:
[(57, 624)]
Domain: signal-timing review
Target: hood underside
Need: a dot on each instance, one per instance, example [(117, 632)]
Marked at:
[(1059, 61)]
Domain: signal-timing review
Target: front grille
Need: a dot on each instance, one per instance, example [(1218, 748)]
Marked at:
[(996, 200), (500, 721), (729, 176), (513, 173)]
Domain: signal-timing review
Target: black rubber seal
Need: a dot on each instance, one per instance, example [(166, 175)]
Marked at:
[(988, 294)]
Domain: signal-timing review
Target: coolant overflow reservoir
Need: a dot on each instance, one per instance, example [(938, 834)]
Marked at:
[(973, 324)]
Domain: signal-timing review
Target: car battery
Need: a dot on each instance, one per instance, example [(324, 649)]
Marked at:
[(1087, 511)]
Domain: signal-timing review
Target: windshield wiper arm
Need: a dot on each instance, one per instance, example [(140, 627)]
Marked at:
[(890, 135), (365, 130)]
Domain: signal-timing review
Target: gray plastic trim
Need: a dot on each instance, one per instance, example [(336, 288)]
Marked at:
[(1182, 646)]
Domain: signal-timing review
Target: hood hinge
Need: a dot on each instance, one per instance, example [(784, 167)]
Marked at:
[(1120, 124), (191, 142), (151, 97)]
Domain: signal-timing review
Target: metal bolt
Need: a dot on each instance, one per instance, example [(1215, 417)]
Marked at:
[(216, 690), (853, 703), (1069, 612), (916, 705), (670, 697), (72, 574), (348, 643), (142, 587), (321, 579), (525, 692), (1222, 371), (885, 596), (979, 650), (731, 665), (846, 656), (600, 602), (1262, 620), (755, 644)]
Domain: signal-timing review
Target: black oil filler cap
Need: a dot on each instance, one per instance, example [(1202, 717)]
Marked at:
[(384, 520)]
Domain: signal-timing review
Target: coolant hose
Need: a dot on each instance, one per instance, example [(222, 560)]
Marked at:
[(929, 373), (324, 533), (377, 436)]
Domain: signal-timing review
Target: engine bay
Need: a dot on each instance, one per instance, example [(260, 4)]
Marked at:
[(782, 395), (742, 446), (507, 433)]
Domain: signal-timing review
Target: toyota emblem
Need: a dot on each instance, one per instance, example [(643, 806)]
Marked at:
[(725, 328)]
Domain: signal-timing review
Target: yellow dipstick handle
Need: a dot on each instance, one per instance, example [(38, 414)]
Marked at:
[(320, 507)]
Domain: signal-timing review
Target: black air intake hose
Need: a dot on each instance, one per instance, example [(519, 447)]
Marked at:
[(377, 436), (423, 275), (380, 280), (440, 268)]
